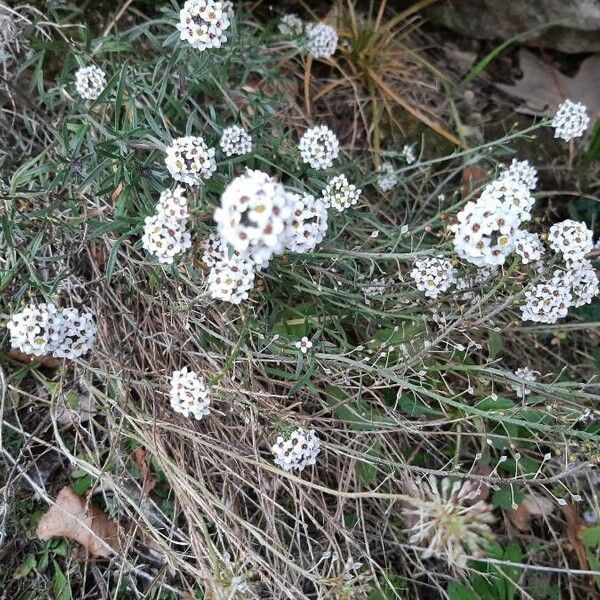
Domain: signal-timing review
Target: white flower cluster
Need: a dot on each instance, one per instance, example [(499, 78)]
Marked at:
[(485, 232), (340, 194), (235, 141), (190, 160), (90, 82), (571, 238), (581, 279), (521, 171), (546, 302), (408, 152), (231, 279), (165, 232), (376, 287), (528, 246), (322, 40), (309, 223), (576, 286), (387, 177), (570, 121), (433, 275), (202, 23), (254, 216), (527, 375), (482, 276), (511, 194), (214, 250), (297, 452), (189, 395), (319, 147), (291, 25), (46, 330)]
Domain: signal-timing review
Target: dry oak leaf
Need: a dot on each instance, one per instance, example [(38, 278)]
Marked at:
[(72, 517), (148, 480), (532, 506), (542, 87), (574, 527)]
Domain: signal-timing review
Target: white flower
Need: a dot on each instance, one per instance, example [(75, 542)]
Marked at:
[(433, 275), (376, 287), (387, 177), (34, 330), (76, 334), (190, 160), (172, 205), (528, 246), (291, 25), (481, 277), (165, 233), (448, 519), (322, 40), (309, 223), (408, 152), (304, 345), (202, 23), (300, 450), (235, 141), (189, 395), (231, 280), (43, 330), (340, 194), (255, 216), (319, 147), (90, 82), (511, 194), (546, 302), (164, 238), (581, 279), (485, 232), (571, 238), (570, 121), (521, 171), (526, 374), (214, 250)]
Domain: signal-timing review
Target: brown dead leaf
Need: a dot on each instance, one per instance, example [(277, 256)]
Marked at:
[(72, 517), (532, 506), (47, 361), (148, 480), (574, 527), (542, 87), (118, 191), (472, 178)]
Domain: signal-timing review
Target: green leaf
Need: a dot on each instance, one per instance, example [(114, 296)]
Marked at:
[(414, 407), (525, 466), (593, 152), (494, 344), (504, 497), (359, 414), (119, 97), (26, 568), (457, 591), (489, 404), (60, 584), (365, 471), (512, 553), (590, 537)]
